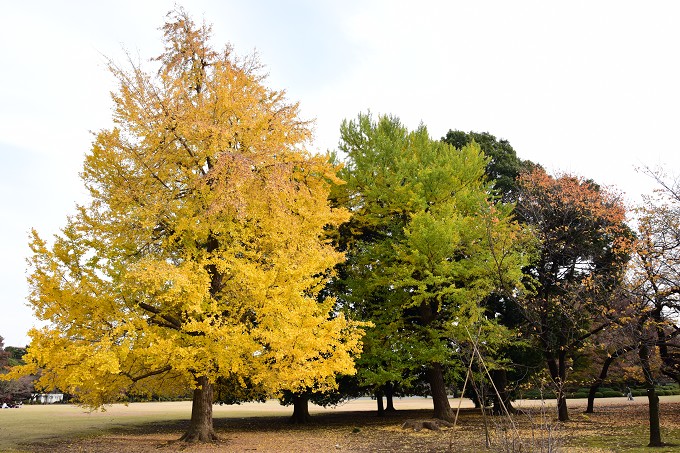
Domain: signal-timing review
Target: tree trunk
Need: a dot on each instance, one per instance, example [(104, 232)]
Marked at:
[(603, 375), (558, 373), (201, 425), (501, 401), (300, 409), (435, 377), (562, 410), (379, 400), (596, 384), (591, 396), (472, 394), (389, 397), (654, 422)]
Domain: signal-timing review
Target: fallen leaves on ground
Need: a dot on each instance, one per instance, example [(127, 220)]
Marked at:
[(611, 428)]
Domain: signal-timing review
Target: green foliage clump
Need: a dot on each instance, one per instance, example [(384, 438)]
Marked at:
[(427, 243)]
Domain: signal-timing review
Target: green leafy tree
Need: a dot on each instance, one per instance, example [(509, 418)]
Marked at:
[(503, 166), (519, 359), (17, 389), (16, 355), (5, 355), (426, 244)]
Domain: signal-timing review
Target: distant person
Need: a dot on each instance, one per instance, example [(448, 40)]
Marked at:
[(630, 394)]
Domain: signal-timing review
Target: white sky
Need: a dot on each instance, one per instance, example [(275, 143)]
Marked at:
[(586, 87)]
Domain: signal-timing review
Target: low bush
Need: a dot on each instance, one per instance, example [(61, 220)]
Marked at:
[(611, 393)]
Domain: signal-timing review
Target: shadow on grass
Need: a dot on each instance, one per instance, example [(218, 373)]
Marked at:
[(268, 424), (612, 429), (353, 431)]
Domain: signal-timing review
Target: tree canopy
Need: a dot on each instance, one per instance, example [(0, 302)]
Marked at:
[(503, 166), (202, 251), (585, 245), (656, 275), (216, 257), (426, 244)]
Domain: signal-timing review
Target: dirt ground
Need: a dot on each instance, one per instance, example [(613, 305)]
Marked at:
[(617, 425)]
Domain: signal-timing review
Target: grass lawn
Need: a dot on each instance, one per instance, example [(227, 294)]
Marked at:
[(617, 425)]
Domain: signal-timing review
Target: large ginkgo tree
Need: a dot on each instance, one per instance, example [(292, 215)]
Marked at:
[(201, 251), (427, 243)]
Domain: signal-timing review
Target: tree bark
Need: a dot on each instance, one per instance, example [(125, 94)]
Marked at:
[(558, 372), (591, 395), (300, 409), (596, 384), (603, 375), (389, 397), (440, 399), (654, 422), (379, 400), (201, 425), (501, 401), (562, 410)]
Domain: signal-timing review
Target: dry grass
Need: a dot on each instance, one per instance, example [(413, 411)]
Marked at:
[(618, 425)]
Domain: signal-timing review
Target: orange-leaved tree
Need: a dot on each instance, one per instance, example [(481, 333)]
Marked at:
[(585, 245), (203, 249)]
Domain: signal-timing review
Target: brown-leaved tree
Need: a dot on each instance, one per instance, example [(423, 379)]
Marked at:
[(584, 251)]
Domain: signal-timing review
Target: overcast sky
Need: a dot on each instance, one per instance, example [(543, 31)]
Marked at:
[(591, 88)]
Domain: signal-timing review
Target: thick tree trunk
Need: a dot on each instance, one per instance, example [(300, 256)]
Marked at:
[(389, 397), (379, 400), (472, 394), (435, 377), (300, 409), (201, 425), (501, 401)]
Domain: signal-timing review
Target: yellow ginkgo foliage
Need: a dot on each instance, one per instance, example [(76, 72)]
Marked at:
[(202, 251)]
